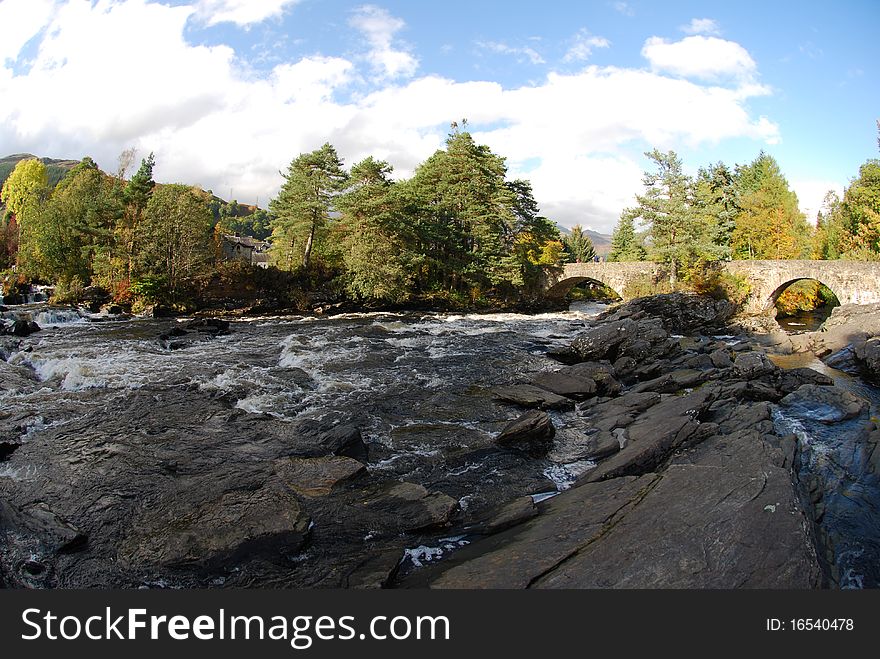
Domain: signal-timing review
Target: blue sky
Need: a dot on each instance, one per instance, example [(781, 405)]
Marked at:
[(227, 92)]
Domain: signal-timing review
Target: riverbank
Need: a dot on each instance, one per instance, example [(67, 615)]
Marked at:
[(356, 451)]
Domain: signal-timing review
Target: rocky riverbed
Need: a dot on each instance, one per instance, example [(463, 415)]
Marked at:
[(652, 446)]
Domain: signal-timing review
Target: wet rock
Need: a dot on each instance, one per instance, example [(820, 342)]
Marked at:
[(562, 384), (510, 514), (753, 365), (316, 477), (721, 359), (54, 534), (410, 507), (239, 524), (602, 374), (654, 435), (527, 395), (310, 438), (532, 432), (376, 571), (215, 326), (722, 515), (22, 328), (826, 404)]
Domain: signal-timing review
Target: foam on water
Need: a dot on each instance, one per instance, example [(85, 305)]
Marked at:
[(566, 475)]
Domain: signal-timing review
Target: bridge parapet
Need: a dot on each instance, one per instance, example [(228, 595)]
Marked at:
[(853, 282)]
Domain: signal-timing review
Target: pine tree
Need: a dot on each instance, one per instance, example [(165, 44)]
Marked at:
[(303, 206), (625, 244), (579, 245)]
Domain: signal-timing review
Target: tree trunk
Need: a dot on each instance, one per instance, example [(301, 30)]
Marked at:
[(307, 254)]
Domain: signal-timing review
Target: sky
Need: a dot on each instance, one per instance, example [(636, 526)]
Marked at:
[(227, 92)]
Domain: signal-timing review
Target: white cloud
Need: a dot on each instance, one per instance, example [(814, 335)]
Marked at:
[(811, 195), (623, 8), (705, 26), (20, 21), (522, 54), (704, 58), (577, 136), (379, 28), (583, 46), (240, 12)]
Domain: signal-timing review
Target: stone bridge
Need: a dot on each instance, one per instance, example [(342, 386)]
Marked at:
[(853, 282)]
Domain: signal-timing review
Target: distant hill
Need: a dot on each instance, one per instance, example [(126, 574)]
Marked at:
[(601, 241), (55, 169)]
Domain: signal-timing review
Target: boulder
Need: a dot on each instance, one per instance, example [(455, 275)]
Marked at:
[(753, 365), (602, 374), (527, 395), (532, 432), (22, 328)]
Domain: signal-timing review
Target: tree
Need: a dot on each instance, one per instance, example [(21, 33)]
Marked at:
[(625, 243), (135, 198), (860, 211), (579, 245), (378, 261), (303, 206), (770, 225), (715, 209), (665, 209), (175, 238), (24, 193)]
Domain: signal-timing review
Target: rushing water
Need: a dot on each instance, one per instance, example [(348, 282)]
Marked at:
[(837, 454), (411, 382)]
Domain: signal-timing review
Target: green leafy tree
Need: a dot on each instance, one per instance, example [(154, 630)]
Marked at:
[(860, 214), (626, 245), (377, 254), (175, 239), (579, 246), (665, 209), (135, 197), (24, 193), (715, 210), (770, 225), (304, 204)]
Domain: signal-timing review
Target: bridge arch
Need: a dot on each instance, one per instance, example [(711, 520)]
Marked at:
[(562, 288), (776, 294), (615, 276)]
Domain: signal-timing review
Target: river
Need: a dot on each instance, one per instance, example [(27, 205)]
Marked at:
[(418, 385)]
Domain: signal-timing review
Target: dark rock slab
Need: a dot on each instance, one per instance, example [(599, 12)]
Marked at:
[(409, 507), (517, 557), (723, 515), (239, 524), (654, 435), (562, 384), (527, 395), (310, 438), (316, 477), (532, 432)]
